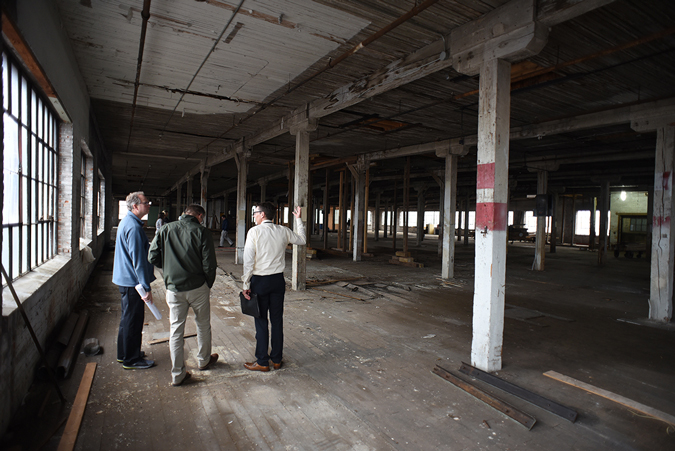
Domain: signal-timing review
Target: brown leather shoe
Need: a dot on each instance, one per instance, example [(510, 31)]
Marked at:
[(213, 359), (253, 366), (277, 366)]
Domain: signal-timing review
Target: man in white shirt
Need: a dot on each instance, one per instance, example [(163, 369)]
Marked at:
[(264, 263)]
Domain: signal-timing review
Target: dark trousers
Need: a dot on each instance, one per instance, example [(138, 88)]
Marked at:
[(131, 326), (270, 291)]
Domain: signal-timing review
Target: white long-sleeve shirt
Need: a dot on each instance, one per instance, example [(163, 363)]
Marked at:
[(265, 249)]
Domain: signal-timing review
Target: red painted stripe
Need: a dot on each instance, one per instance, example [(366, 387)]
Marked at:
[(660, 221), (493, 215), (485, 176)]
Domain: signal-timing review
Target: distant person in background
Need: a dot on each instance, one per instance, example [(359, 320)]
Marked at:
[(223, 234), (161, 221)]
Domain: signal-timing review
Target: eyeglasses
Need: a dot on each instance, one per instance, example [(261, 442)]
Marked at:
[(146, 203), (257, 211)]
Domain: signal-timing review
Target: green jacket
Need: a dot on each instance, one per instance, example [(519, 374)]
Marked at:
[(185, 252)]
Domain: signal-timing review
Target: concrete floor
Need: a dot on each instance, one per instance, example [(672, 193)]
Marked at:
[(358, 361)]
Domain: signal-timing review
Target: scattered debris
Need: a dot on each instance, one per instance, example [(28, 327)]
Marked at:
[(533, 398), (496, 403)]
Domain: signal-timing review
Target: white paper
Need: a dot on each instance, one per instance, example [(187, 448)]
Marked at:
[(151, 305), (154, 310)]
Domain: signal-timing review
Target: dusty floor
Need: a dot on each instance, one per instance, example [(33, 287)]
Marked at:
[(358, 361)]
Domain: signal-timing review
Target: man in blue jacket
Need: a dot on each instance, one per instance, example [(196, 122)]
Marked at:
[(131, 267)]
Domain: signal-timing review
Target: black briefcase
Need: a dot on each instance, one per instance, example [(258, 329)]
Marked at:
[(250, 306)]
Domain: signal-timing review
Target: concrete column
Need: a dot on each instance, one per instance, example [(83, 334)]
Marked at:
[(188, 190), (358, 211), (342, 220), (540, 240), (366, 201), (591, 234), (406, 204), (449, 209), (466, 219), (650, 223), (491, 214), (301, 198), (421, 189), (242, 213), (604, 208), (263, 191), (289, 218), (385, 222), (179, 200), (441, 211), (554, 224), (663, 244), (449, 203), (326, 210), (204, 181), (394, 218), (376, 216)]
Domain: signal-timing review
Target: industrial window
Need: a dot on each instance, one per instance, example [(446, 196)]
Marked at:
[(100, 204), (83, 193), (30, 162)]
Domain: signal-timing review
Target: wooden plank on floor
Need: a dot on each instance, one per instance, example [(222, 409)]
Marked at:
[(670, 419), (69, 436)]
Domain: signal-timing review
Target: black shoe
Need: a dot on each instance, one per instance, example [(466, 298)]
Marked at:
[(142, 356), (140, 365)]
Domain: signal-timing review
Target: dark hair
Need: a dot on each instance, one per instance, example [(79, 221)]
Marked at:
[(269, 209), (195, 210)]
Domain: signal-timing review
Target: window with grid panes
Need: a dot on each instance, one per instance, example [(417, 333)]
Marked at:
[(30, 173), (83, 192), (100, 203)]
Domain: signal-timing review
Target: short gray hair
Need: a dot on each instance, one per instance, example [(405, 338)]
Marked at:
[(134, 199)]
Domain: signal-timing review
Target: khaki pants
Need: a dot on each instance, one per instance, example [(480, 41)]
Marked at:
[(179, 302)]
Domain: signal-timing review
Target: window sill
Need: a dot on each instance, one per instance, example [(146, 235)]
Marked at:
[(25, 286)]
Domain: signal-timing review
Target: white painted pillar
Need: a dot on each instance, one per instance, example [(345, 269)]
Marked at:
[(377, 216), (421, 189), (301, 198), (663, 231), (441, 220), (359, 202), (242, 213), (491, 214), (449, 209), (540, 240)]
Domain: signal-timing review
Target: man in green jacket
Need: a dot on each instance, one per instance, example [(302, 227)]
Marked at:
[(184, 250)]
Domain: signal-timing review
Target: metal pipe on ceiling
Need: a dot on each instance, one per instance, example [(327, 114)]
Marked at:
[(145, 14)]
